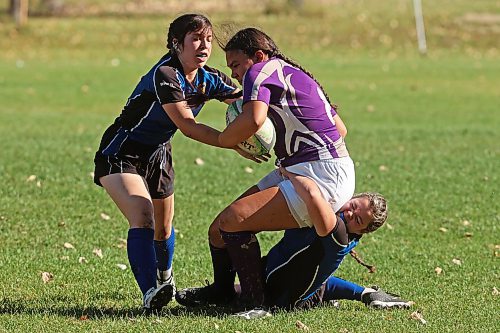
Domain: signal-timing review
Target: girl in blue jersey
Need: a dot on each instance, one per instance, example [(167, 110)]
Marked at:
[(134, 160)]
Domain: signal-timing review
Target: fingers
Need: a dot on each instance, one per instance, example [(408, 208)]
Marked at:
[(257, 159)]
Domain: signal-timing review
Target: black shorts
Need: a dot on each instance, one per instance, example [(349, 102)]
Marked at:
[(153, 163)]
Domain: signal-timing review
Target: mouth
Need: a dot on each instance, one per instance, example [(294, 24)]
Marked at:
[(202, 56)]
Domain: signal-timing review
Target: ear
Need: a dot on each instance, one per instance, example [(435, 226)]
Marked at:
[(260, 56)]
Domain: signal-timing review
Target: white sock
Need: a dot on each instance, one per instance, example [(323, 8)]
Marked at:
[(367, 291)]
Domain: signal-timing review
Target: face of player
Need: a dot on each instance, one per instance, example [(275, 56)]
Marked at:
[(238, 62), (357, 214), (196, 49)]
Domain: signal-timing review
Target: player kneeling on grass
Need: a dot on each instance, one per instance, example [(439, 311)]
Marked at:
[(298, 269)]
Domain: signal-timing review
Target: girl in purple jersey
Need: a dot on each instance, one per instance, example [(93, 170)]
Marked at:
[(309, 142)]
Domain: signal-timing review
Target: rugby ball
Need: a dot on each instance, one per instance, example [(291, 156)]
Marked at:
[(261, 142)]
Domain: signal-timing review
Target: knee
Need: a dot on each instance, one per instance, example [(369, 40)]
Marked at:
[(230, 218), (214, 236), (144, 219), (161, 233)]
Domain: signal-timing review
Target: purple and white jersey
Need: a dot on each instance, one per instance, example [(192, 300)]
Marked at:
[(300, 112)]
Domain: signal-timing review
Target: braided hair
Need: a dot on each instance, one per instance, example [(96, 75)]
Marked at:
[(250, 40)]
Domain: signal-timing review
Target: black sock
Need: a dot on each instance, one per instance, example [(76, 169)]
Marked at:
[(223, 272), (244, 251)]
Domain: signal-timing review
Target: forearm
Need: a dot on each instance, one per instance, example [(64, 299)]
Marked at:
[(245, 125), (322, 216), (204, 134), (320, 212)]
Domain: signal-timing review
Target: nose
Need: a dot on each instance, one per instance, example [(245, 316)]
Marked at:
[(348, 213), (233, 74)]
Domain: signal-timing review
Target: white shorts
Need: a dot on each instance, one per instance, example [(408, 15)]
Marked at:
[(334, 177)]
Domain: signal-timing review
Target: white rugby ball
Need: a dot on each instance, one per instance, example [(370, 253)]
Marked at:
[(261, 142)]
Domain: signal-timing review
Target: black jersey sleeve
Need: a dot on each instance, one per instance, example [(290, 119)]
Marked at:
[(339, 233), (224, 87), (167, 86)]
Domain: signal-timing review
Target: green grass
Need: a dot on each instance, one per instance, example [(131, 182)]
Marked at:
[(433, 126)]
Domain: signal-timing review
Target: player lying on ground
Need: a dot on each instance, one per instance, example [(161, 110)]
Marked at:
[(298, 269)]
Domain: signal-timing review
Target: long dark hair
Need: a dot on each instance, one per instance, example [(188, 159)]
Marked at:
[(183, 25), (250, 40)]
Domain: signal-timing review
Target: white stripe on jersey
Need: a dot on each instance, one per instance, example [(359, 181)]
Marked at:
[(328, 109), (131, 98), (292, 124), (309, 286), (145, 116), (336, 241), (111, 142), (286, 262)]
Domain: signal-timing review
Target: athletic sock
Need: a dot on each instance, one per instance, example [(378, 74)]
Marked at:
[(337, 288), (244, 250), (141, 256), (164, 250), (223, 271)]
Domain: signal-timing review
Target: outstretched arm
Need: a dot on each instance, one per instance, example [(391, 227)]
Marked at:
[(183, 118), (320, 211)]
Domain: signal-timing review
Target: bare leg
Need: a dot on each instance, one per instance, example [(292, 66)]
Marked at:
[(164, 215), (130, 194)]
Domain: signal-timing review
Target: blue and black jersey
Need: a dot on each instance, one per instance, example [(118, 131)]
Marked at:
[(143, 118), (302, 261)]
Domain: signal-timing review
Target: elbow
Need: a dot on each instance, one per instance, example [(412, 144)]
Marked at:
[(322, 232), (325, 230), (343, 132)]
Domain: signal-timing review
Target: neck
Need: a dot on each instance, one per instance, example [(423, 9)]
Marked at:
[(190, 75), (189, 72)]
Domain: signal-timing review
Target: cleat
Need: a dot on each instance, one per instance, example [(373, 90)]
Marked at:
[(202, 296), (255, 313), (161, 280), (157, 298), (380, 299)]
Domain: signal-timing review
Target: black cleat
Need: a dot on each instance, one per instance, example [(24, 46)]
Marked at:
[(203, 296)]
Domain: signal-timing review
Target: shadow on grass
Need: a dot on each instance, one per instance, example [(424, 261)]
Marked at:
[(14, 307)]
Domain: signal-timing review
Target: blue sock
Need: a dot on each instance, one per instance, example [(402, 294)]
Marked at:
[(337, 288), (165, 252), (142, 258)]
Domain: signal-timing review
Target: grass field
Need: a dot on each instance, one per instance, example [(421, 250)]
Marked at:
[(423, 130)]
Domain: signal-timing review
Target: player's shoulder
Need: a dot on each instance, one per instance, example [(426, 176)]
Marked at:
[(261, 71), (169, 67), (340, 234)]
